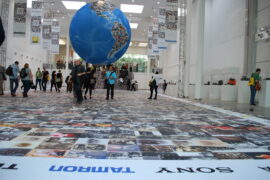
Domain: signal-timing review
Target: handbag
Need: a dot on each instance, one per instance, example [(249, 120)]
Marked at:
[(258, 86)]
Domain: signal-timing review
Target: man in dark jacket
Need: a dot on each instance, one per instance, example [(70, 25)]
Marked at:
[(2, 33), (77, 76)]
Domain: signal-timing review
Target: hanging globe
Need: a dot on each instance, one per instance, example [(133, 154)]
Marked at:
[(100, 33)]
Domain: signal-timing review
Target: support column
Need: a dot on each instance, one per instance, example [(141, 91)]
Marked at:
[(67, 53), (200, 49), (187, 47)]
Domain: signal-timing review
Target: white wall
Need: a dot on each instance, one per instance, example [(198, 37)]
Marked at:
[(137, 50), (263, 47), (19, 48), (224, 39)]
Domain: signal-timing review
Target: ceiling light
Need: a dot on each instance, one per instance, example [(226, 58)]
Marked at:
[(74, 5), (29, 3), (133, 25), (142, 44), (130, 8), (62, 42)]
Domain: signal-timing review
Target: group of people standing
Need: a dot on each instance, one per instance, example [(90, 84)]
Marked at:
[(26, 76)]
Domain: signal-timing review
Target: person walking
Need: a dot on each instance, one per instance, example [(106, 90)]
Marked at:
[(164, 86), (59, 80), (53, 81), (2, 79), (254, 84), (45, 77), (38, 79), (110, 80), (2, 33), (89, 82), (27, 78), (78, 73), (14, 78)]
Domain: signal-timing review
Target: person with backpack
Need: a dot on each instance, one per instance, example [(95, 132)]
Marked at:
[(154, 82), (13, 72), (2, 79), (164, 86), (27, 79), (111, 79), (59, 80), (45, 77), (89, 82), (254, 84), (38, 79)]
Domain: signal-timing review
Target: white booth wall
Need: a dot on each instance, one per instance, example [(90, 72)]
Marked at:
[(20, 49), (263, 47), (224, 40)]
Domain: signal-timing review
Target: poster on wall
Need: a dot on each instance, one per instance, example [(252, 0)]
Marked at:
[(35, 30), (55, 37), (19, 21), (171, 21), (162, 29), (46, 33)]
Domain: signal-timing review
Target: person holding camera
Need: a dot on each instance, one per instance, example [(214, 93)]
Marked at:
[(110, 80)]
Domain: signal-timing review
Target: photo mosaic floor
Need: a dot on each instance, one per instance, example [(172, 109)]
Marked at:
[(128, 127)]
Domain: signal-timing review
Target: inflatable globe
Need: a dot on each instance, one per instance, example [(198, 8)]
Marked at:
[(100, 33)]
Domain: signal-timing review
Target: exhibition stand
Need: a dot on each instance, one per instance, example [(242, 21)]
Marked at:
[(214, 92), (229, 93), (264, 97), (243, 92)]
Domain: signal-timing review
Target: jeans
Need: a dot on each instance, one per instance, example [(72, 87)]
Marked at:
[(44, 84), (110, 87), (38, 81), (252, 95), (26, 86), (13, 89)]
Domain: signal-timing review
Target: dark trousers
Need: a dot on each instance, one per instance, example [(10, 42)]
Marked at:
[(26, 86), (44, 84), (252, 95), (13, 89), (152, 88), (53, 84), (78, 91), (110, 87), (133, 87), (90, 88), (38, 81)]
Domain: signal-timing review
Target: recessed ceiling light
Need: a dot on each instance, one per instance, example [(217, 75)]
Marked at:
[(75, 5), (29, 3), (142, 44), (158, 2), (130, 8), (133, 25)]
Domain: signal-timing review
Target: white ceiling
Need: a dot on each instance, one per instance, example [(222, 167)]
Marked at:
[(144, 19)]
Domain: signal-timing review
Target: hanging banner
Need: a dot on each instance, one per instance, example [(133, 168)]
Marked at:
[(171, 20), (19, 21), (46, 33), (35, 30), (55, 37), (150, 41), (162, 29)]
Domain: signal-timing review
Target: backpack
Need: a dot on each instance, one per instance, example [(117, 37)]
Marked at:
[(153, 83), (9, 71), (23, 73)]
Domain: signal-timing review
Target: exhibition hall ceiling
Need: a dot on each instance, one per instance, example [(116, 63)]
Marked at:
[(144, 19)]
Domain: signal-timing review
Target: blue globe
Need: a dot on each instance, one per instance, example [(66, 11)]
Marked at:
[(100, 33)]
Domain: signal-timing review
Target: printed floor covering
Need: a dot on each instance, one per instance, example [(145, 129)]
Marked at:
[(130, 127)]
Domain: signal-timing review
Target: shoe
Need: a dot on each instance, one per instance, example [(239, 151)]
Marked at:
[(253, 104), (90, 97), (149, 98), (13, 94), (25, 95), (107, 98), (85, 97), (155, 98)]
